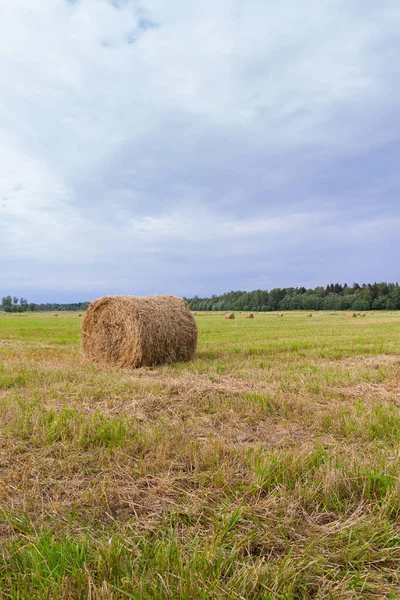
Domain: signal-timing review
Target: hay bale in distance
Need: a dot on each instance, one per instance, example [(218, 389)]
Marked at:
[(250, 316), (133, 331), (230, 316)]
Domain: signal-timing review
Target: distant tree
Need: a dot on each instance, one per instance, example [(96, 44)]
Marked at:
[(15, 300), (347, 291), (32, 307), (333, 302), (6, 301), (393, 300), (379, 303), (275, 296), (361, 305)]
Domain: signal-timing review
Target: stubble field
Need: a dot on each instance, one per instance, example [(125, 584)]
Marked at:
[(268, 468)]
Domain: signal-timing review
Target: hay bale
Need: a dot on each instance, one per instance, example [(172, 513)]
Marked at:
[(230, 316), (354, 316), (250, 316), (132, 331), (310, 315)]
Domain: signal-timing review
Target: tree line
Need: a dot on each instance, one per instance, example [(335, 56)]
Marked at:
[(371, 296), (20, 305)]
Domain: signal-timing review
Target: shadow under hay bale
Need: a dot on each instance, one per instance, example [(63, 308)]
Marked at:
[(132, 331), (230, 316)]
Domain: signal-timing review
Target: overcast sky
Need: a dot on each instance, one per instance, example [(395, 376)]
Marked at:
[(197, 147)]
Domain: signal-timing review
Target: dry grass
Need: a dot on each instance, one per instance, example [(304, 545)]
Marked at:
[(266, 468)]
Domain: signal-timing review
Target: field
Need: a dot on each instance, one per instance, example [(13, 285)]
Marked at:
[(268, 468)]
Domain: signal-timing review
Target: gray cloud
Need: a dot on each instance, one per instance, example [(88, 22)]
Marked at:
[(197, 148)]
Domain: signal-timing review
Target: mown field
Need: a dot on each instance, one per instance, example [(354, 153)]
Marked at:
[(268, 468)]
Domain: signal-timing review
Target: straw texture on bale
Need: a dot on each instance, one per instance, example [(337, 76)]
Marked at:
[(250, 316), (132, 331), (230, 316)]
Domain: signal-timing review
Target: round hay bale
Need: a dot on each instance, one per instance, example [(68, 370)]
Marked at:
[(250, 316), (230, 316), (132, 331), (354, 316)]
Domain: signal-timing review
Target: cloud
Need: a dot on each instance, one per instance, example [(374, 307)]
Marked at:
[(201, 147)]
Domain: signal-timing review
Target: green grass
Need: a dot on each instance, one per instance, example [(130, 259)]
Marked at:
[(267, 468)]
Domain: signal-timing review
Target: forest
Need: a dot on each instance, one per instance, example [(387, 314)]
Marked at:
[(20, 305), (371, 296), (375, 296)]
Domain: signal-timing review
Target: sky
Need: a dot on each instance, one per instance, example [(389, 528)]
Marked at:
[(197, 147)]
